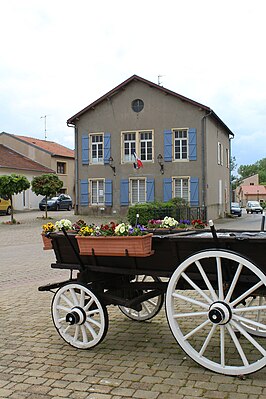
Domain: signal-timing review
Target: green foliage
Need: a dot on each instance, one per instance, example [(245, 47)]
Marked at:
[(258, 167), (13, 184), (176, 208), (10, 185), (47, 184)]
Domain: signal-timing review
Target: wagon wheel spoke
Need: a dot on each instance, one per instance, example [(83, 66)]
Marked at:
[(88, 305), (237, 345), (249, 321), (253, 313), (222, 345), (190, 314), (207, 281), (220, 278), (205, 320), (83, 323), (196, 288), (67, 300), (197, 329), (191, 300), (247, 293), (207, 340), (74, 296), (234, 282)]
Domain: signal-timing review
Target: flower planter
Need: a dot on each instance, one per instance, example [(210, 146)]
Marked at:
[(47, 242), (115, 245)]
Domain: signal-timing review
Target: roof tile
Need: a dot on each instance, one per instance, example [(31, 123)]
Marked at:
[(50, 146), (13, 160)]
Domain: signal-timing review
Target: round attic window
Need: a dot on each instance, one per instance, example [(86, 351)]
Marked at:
[(137, 105)]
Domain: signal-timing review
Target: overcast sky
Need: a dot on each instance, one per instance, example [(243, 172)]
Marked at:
[(58, 56)]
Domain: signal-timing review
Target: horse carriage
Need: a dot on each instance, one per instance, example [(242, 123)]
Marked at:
[(213, 284)]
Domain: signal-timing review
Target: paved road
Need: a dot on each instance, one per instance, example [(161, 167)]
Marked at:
[(135, 360)]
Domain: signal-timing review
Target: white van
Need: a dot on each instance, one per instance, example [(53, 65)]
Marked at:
[(254, 207)]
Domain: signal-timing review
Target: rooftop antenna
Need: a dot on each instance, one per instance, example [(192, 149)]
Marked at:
[(45, 131), (159, 80)]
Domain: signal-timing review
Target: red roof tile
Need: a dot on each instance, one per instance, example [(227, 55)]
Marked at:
[(49, 146), (13, 160), (253, 190)]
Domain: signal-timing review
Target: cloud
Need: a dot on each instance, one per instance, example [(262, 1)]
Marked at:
[(59, 56)]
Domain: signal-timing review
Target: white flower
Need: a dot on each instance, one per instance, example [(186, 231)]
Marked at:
[(169, 222), (63, 223), (122, 229)]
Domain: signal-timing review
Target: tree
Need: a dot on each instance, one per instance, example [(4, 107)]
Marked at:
[(47, 185), (10, 185), (258, 167), (233, 178)]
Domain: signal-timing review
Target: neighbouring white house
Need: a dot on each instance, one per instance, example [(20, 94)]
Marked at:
[(13, 162)]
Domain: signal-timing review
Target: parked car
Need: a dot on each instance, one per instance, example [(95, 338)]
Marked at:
[(254, 207), (5, 206), (62, 201), (236, 209)]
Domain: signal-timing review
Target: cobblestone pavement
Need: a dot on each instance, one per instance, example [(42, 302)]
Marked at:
[(135, 360)]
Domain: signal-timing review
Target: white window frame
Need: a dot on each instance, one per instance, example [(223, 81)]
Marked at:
[(182, 178), (98, 160), (227, 158), (220, 157), (130, 158), (138, 194), (98, 193), (181, 139)]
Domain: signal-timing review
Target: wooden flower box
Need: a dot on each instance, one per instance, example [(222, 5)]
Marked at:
[(115, 245)]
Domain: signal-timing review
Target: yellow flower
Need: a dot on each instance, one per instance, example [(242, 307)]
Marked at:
[(48, 228)]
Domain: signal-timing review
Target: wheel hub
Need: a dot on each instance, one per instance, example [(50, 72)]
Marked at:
[(76, 316), (220, 313)]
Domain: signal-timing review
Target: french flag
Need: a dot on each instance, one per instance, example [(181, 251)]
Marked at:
[(137, 164)]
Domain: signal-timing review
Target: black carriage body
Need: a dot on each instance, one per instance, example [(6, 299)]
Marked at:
[(168, 252)]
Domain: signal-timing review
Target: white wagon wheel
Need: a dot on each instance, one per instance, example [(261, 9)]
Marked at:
[(79, 316), (150, 308), (206, 319)]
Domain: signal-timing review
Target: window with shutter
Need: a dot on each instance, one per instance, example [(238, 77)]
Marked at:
[(96, 148), (181, 188), (138, 191), (85, 149), (97, 191), (168, 145), (167, 189), (84, 192), (192, 142), (124, 192), (108, 192)]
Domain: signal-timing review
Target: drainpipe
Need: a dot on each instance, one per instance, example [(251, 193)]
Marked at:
[(76, 169), (203, 143)]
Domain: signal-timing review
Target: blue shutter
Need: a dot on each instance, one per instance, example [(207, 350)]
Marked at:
[(192, 142), (124, 190), (85, 149), (108, 192), (84, 192), (167, 189), (194, 191), (150, 190), (107, 147), (168, 145)]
